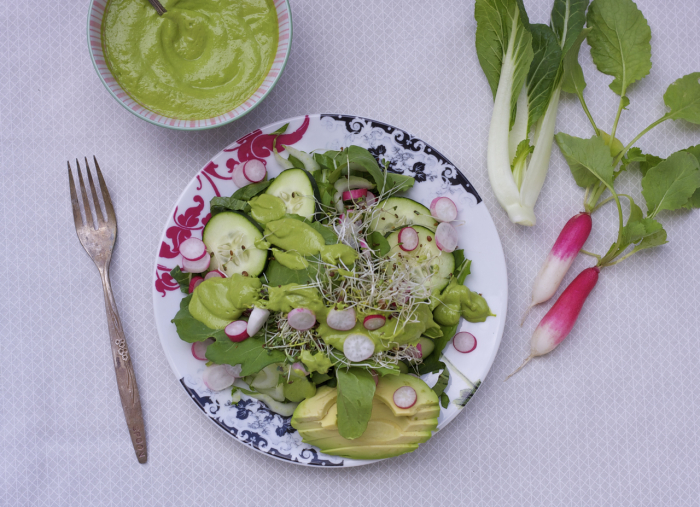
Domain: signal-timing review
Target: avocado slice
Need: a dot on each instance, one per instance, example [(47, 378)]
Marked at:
[(390, 432)]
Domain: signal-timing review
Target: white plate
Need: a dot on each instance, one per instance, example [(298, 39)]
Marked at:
[(250, 421)]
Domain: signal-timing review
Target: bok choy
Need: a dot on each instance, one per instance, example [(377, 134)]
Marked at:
[(523, 64)]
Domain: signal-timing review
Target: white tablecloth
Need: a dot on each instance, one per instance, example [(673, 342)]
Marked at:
[(609, 418)]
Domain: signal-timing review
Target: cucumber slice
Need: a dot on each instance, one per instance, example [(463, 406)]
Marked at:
[(396, 212), (430, 264), (297, 188), (230, 238)]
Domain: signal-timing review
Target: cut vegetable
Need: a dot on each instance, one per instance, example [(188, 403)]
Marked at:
[(231, 237), (254, 171), (238, 176), (218, 377), (396, 212), (408, 239), (341, 320), (446, 237), (370, 199), (193, 249), (236, 331), (299, 368), (351, 183), (358, 347), (297, 188), (196, 266), (257, 320), (405, 397), (464, 342), (373, 322), (301, 319), (199, 349), (443, 209), (215, 274), (194, 282), (354, 195)]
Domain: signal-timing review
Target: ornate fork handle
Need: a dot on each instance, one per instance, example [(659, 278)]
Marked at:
[(126, 380)]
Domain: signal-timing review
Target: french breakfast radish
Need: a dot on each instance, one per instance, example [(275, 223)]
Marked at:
[(257, 320), (560, 319), (565, 249)]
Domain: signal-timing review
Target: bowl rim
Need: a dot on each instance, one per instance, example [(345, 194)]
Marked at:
[(202, 124)]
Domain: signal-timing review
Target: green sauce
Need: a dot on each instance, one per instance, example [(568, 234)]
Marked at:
[(457, 300), (199, 60)]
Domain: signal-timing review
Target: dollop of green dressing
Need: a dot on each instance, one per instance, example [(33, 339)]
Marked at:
[(265, 208), (199, 60), (457, 300), (219, 301)]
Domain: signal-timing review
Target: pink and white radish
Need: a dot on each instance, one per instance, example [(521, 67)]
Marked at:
[(446, 237), (358, 347), (464, 342), (560, 319), (199, 349), (193, 249), (301, 319), (370, 199), (194, 282), (299, 369), (341, 320), (405, 397), (257, 320), (197, 266), (218, 377), (214, 274), (236, 331), (373, 322), (565, 249), (443, 209), (408, 239), (355, 194), (238, 177), (254, 171)]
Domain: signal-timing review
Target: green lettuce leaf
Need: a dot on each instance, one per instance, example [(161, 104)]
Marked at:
[(588, 159), (277, 274), (355, 392), (671, 183), (250, 354), (683, 98), (190, 329)]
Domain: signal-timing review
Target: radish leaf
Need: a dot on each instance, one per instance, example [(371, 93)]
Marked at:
[(670, 184), (355, 392), (683, 98), (588, 159)]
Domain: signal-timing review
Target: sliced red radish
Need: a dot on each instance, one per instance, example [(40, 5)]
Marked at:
[(301, 319), (236, 330), (234, 370), (370, 199), (218, 377), (257, 320), (373, 322), (355, 194), (464, 342), (254, 171), (214, 274), (199, 349), (408, 239), (194, 282), (405, 397), (446, 237), (196, 266), (300, 369), (193, 249), (341, 320), (358, 347), (238, 176), (443, 209), (375, 376)]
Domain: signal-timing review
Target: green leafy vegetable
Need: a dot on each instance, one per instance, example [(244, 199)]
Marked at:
[(250, 354), (355, 393), (441, 384), (670, 184), (432, 363), (588, 159), (329, 236), (249, 191), (377, 242), (573, 80), (543, 75), (183, 279), (277, 274), (190, 329), (220, 204), (683, 98), (567, 20)]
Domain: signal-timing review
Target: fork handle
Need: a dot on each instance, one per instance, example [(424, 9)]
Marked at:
[(126, 380)]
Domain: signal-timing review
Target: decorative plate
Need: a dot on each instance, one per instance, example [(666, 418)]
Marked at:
[(250, 421)]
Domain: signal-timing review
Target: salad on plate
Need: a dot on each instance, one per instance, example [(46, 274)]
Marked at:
[(327, 295)]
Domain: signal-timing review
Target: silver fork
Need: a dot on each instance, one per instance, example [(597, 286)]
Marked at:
[(99, 243)]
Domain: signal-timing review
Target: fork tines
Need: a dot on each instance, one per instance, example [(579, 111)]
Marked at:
[(110, 216)]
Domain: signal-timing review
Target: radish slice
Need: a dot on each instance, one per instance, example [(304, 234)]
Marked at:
[(355, 194), (199, 349), (375, 376), (408, 239), (193, 249), (214, 274), (196, 280), (446, 237), (443, 209), (373, 322), (238, 176), (254, 170), (341, 320), (257, 319), (370, 199), (464, 342), (196, 266), (405, 397), (236, 330), (234, 370), (358, 347), (299, 368), (301, 319), (218, 377)]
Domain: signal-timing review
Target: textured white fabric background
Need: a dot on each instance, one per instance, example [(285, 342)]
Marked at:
[(610, 418)]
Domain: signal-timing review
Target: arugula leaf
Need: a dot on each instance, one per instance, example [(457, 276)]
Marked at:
[(588, 159), (329, 236), (633, 155), (220, 204), (277, 274), (398, 182), (444, 400), (620, 42), (183, 279), (281, 130), (462, 266), (670, 184), (296, 162), (250, 354), (442, 381), (249, 191), (572, 73), (377, 242), (432, 363), (683, 98), (543, 75), (355, 392), (567, 20), (190, 329)]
